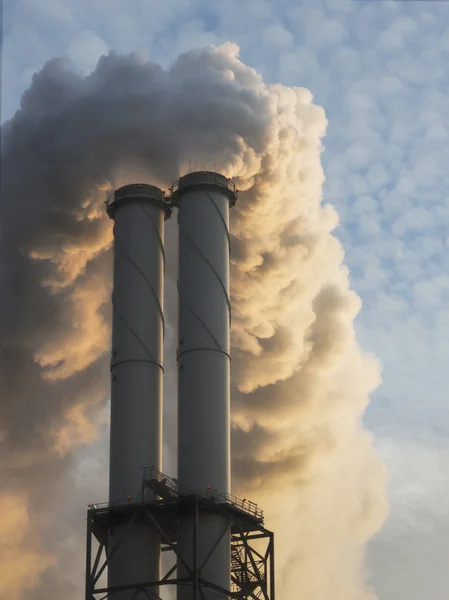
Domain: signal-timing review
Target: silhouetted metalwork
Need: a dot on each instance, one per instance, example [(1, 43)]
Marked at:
[(160, 505)]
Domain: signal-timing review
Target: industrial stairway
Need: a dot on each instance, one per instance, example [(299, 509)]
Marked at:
[(238, 573), (166, 488), (244, 581)]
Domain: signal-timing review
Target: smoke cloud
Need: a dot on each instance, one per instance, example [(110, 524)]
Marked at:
[(300, 381)]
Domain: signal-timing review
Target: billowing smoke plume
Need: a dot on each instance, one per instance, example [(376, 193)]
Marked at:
[(300, 382)]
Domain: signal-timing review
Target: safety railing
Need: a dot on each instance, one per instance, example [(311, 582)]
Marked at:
[(231, 500), (113, 195), (209, 494), (115, 503), (151, 473), (213, 178)]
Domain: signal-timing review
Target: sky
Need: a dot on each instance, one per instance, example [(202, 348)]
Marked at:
[(379, 69)]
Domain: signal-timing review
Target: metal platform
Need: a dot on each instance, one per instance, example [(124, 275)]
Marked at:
[(160, 505), (206, 180)]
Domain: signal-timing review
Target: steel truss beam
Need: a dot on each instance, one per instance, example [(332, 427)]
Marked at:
[(252, 552)]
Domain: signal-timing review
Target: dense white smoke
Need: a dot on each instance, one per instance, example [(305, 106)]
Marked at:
[(300, 381)]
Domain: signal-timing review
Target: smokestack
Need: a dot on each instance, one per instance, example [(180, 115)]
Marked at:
[(203, 200), (136, 369)]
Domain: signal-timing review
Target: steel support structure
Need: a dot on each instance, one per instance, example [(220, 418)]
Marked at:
[(252, 570), (252, 546)]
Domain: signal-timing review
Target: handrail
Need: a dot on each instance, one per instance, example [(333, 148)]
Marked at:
[(231, 500), (208, 494), (216, 179), (154, 473), (99, 505), (112, 196)]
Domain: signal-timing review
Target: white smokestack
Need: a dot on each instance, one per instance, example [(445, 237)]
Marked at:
[(203, 200), (137, 367), (300, 381)]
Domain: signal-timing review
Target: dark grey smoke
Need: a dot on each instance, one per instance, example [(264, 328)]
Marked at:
[(300, 382), (72, 138)]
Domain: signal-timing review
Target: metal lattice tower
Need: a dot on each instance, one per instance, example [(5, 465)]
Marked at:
[(161, 504)]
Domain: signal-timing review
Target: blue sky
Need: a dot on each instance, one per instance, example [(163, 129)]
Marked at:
[(380, 69)]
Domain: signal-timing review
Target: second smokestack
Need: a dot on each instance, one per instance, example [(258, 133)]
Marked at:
[(203, 200)]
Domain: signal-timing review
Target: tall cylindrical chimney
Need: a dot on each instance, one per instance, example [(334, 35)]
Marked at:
[(136, 369), (203, 200)]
